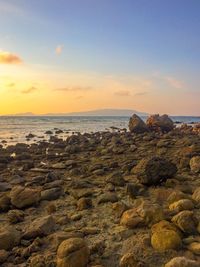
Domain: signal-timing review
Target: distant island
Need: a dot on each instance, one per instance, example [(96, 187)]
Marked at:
[(98, 112)]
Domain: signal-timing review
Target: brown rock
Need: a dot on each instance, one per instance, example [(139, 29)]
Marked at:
[(73, 252), (186, 221), (22, 197), (128, 260), (4, 202), (195, 164), (160, 123), (15, 216), (137, 125), (154, 170), (84, 203), (40, 227), (3, 255), (181, 262), (9, 238)]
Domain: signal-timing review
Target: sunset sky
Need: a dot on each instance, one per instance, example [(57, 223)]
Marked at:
[(78, 55)]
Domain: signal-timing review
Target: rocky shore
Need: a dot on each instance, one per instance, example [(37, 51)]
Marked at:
[(106, 199)]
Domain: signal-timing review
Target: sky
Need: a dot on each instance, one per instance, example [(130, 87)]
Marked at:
[(60, 56)]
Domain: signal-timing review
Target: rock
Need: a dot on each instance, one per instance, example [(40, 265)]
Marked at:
[(145, 214), (165, 225), (128, 260), (196, 195), (177, 195), (37, 261), (4, 186), (4, 202), (3, 255), (186, 221), (165, 239), (51, 194), (165, 235), (51, 208), (72, 252), (160, 123), (131, 218), (9, 238), (134, 190), (137, 125), (154, 170), (119, 208), (116, 179), (181, 262), (22, 197), (107, 197), (195, 164), (76, 217), (84, 203), (182, 204), (15, 216), (40, 227), (194, 247), (59, 166)]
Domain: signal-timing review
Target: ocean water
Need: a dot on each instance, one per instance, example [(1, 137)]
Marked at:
[(14, 129)]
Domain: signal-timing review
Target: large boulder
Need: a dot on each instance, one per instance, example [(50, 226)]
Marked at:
[(154, 170), (73, 252), (9, 238), (160, 123), (137, 125), (22, 197)]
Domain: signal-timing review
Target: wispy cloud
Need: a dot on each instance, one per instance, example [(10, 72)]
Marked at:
[(10, 85), (141, 93), (7, 8), (122, 93), (9, 58), (79, 97), (177, 84), (59, 49), (74, 89), (29, 90)]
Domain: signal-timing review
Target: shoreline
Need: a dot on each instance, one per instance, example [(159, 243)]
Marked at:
[(89, 187)]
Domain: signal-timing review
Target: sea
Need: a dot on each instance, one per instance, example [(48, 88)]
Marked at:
[(15, 129)]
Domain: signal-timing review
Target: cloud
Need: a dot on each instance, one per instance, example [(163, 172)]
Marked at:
[(177, 84), (74, 89), (9, 58), (10, 8), (123, 93), (141, 94), (29, 90), (11, 85), (59, 49), (79, 97)]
